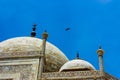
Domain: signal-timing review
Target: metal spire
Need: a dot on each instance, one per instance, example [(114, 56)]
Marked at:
[(45, 30), (33, 33), (100, 47), (77, 55)]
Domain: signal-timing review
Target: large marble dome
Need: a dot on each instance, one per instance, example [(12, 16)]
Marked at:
[(54, 57)]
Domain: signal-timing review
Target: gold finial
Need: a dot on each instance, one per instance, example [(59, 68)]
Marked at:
[(33, 33), (100, 51), (45, 35)]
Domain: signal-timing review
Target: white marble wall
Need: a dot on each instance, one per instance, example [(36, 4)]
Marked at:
[(19, 69)]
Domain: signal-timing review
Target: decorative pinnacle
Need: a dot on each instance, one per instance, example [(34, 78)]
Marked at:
[(100, 51), (45, 35), (77, 55), (45, 31), (33, 33), (100, 47)]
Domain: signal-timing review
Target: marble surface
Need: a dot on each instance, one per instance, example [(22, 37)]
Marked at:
[(77, 64), (27, 46)]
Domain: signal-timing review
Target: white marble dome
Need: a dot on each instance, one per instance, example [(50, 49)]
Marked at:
[(77, 65), (54, 57)]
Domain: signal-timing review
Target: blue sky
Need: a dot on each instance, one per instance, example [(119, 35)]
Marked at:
[(92, 23)]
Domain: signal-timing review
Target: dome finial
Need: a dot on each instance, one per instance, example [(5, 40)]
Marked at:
[(100, 47), (77, 55), (33, 33), (45, 30)]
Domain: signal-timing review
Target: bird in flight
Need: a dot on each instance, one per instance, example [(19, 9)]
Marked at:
[(67, 29)]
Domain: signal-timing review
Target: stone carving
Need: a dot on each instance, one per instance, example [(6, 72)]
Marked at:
[(20, 54), (6, 79), (87, 75), (24, 70), (72, 74)]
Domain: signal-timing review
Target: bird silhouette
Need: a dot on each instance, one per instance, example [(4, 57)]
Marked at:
[(67, 29)]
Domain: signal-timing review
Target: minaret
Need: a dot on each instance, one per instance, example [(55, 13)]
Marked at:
[(100, 52), (33, 33), (42, 59)]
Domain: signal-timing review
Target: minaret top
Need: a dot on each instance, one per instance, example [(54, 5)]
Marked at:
[(45, 35), (33, 33), (100, 51)]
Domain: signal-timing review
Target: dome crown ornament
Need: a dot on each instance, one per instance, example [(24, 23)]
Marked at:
[(33, 33), (77, 55)]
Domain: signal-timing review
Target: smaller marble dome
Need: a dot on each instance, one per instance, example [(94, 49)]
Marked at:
[(77, 65)]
